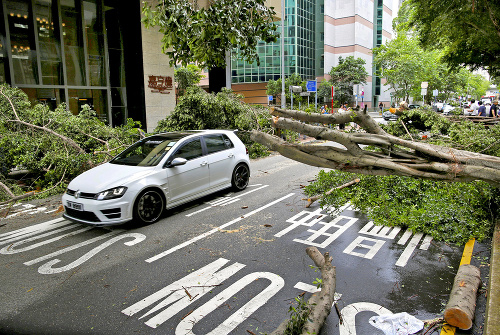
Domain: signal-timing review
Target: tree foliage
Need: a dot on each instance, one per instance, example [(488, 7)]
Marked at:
[(406, 168), (187, 76), (350, 71), (198, 109), (203, 35), (404, 64), (468, 31), (52, 146)]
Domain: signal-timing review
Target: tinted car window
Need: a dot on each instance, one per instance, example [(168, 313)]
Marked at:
[(189, 150), (147, 152), (217, 143)]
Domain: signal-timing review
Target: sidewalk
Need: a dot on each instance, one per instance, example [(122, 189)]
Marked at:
[(492, 318)]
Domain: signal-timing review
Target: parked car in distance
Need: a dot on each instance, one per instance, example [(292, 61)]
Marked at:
[(388, 116), (447, 108), (155, 174), (439, 106), (413, 106)]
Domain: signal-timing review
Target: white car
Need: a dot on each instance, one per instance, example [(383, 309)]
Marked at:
[(157, 173), (447, 109)]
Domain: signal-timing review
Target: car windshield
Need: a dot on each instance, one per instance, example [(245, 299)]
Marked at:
[(149, 151)]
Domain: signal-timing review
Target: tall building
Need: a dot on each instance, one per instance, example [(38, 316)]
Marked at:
[(317, 34)]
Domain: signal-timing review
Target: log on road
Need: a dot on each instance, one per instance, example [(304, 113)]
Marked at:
[(320, 303), (459, 311)]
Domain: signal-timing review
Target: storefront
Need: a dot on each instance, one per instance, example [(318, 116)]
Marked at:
[(77, 52)]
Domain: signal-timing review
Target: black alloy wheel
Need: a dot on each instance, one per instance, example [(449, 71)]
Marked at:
[(149, 206), (241, 176)]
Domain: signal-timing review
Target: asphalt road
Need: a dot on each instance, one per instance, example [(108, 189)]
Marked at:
[(231, 263)]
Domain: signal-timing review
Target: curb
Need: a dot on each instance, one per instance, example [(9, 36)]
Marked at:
[(492, 319)]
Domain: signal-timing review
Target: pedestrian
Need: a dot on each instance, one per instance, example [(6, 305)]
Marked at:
[(488, 109), (342, 109), (481, 111), (473, 107), (381, 106), (494, 109)]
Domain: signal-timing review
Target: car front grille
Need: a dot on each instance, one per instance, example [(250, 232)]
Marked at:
[(82, 215), (82, 195)]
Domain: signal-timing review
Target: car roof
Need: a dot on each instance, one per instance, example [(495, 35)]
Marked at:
[(186, 133)]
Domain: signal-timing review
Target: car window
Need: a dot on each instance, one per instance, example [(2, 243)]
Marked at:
[(189, 150), (217, 143), (148, 152)]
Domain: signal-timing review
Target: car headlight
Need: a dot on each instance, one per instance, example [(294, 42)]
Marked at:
[(112, 193)]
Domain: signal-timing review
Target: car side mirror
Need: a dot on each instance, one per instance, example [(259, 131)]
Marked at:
[(177, 161)]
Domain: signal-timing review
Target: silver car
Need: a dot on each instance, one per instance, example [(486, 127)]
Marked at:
[(155, 174)]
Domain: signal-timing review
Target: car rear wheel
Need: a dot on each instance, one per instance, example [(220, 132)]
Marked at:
[(240, 178), (149, 206)]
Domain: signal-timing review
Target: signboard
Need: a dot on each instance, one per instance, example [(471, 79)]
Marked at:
[(160, 84), (424, 84), (423, 91), (311, 86), (435, 93), (305, 94)]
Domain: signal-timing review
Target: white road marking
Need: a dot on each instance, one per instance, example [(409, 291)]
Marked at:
[(208, 233), (372, 249), (405, 256), (379, 231), (426, 243), (227, 200), (348, 327)]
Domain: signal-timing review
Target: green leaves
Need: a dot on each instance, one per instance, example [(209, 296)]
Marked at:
[(29, 141), (203, 35)]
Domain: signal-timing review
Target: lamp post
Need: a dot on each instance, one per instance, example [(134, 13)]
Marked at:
[(283, 96)]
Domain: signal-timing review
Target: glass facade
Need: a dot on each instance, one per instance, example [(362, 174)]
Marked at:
[(379, 13), (302, 19), (73, 51)]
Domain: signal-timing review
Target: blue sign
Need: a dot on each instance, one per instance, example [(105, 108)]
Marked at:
[(311, 86), (270, 98)]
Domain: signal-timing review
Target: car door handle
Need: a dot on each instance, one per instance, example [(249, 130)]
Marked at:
[(231, 155), (203, 163)]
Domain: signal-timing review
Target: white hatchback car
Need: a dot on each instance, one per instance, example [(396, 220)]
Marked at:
[(157, 173)]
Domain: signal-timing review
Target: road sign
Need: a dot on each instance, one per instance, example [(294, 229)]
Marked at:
[(311, 86), (270, 98), (423, 91), (424, 84), (305, 94), (435, 93)]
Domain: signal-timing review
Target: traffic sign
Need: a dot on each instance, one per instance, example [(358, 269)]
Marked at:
[(311, 86), (270, 98)]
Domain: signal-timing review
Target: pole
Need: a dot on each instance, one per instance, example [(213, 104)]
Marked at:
[(283, 96)]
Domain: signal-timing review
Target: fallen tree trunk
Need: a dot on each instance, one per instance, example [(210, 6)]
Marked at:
[(395, 156), (459, 311), (320, 303)]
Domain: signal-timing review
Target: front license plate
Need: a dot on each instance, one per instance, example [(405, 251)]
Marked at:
[(74, 205)]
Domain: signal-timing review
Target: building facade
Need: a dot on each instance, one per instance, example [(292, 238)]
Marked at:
[(80, 52), (317, 34)]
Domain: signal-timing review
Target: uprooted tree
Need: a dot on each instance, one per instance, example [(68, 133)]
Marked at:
[(373, 151), (386, 155)]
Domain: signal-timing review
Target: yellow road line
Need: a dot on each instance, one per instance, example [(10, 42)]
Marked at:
[(466, 257)]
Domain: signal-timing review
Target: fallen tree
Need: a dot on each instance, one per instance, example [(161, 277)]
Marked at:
[(387, 154), (319, 304)]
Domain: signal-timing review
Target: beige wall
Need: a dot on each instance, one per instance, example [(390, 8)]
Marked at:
[(158, 105)]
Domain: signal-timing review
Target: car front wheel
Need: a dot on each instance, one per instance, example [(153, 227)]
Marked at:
[(149, 206), (241, 175)]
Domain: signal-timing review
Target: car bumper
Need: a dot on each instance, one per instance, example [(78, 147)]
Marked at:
[(97, 213)]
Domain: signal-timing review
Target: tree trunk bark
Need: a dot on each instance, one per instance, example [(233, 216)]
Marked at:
[(459, 311), (320, 303)]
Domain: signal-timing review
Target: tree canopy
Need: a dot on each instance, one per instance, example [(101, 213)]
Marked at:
[(350, 71), (468, 31), (203, 35)]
